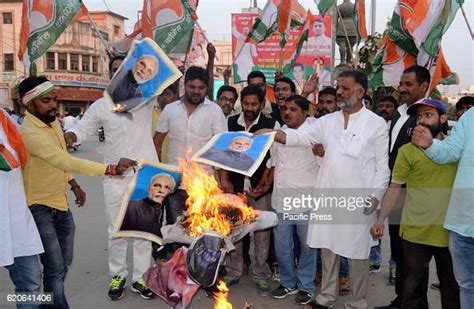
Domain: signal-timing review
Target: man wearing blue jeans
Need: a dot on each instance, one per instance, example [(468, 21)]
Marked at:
[(294, 170), (459, 146), (20, 242)]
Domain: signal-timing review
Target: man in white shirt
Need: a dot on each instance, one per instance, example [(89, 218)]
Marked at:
[(68, 122), (128, 136), (355, 168), (20, 242), (191, 121), (295, 170)]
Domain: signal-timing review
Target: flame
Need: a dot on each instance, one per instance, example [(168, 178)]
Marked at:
[(207, 207), (221, 297)]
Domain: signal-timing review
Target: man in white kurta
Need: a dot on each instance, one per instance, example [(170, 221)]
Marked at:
[(20, 242), (355, 140)]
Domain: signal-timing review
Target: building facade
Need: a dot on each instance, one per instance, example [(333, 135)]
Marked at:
[(77, 63)]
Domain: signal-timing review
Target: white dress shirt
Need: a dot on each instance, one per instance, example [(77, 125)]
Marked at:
[(189, 133), (296, 169), (356, 158), (402, 110)]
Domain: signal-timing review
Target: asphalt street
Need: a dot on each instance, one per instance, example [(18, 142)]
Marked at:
[(87, 280)]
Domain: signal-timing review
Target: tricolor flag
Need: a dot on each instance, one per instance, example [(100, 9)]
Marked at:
[(42, 23), (359, 15), (170, 23), (324, 5)]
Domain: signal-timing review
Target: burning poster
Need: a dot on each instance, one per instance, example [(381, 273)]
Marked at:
[(235, 151), (145, 73), (142, 213)]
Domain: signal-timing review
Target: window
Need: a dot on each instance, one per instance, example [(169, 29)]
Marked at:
[(95, 64), (8, 62), (86, 63), (62, 61), (104, 35), (74, 58), (50, 62), (116, 30), (7, 18)]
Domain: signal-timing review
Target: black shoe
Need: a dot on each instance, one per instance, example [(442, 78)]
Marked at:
[(116, 286), (315, 305), (303, 298), (282, 292), (142, 289)]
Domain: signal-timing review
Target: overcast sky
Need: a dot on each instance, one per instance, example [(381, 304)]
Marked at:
[(214, 18)]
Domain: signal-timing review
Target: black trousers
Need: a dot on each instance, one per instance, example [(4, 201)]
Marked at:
[(396, 250), (416, 263)]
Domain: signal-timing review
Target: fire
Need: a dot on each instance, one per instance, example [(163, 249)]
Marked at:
[(221, 297), (207, 207)]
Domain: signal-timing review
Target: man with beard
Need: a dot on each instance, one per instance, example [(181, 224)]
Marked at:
[(251, 119), (127, 134), (356, 143), (326, 102), (414, 84), (47, 172), (124, 88), (428, 188), (147, 215), (387, 108), (283, 88)]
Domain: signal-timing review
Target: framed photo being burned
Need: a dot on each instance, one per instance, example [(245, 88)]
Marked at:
[(144, 73), (142, 213), (238, 152)]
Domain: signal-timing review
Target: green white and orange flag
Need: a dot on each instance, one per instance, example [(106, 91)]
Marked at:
[(42, 23), (324, 5), (170, 23), (359, 15)]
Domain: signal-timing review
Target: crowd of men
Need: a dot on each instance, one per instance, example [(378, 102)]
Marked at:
[(397, 156)]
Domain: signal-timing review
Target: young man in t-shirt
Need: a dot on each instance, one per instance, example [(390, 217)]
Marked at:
[(428, 188)]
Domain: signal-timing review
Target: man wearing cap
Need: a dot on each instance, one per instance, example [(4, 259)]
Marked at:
[(46, 175), (428, 187)]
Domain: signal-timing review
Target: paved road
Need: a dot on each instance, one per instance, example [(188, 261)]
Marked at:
[(86, 284)]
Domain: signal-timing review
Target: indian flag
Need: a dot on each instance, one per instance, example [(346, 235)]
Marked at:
[(324, 5), (274, 17), (42, 22)]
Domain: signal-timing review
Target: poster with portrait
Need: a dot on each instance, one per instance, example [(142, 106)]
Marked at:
[(144, 73), (142, 212), (238, 152), (197, 55)]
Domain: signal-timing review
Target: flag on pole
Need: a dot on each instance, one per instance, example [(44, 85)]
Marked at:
[(42, 23), (359, 15), (324, 5), (169, 23), (274, 15)]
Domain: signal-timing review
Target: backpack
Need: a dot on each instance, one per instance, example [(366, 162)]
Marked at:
[(205, 256)]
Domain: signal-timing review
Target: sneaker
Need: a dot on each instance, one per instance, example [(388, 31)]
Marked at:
[(230, 280), (319, 278), (116, 286), (374, 268), (262, 286), (282, 292), (392, 276), (142, 289), (303, 298), (344, 286)]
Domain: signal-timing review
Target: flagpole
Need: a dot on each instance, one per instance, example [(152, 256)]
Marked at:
[(373, 11), (205, 37), (109, 53), (467, 22)]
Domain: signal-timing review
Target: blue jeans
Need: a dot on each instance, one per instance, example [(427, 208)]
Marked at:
[(291, 276), (462, 253), (25, 273), (56, 230), (376, 254), (344, 265)]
